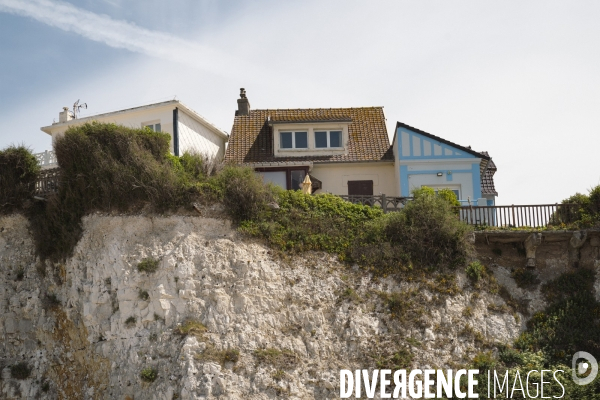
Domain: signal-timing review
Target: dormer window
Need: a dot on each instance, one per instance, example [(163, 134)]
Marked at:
[(328, 139), (294, 140), (310, 138)]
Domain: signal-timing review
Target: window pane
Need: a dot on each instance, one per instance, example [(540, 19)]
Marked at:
[(301, 140), (297, 178), (320, 139), (335, 139), (286, 140), (157, 128), (149, 126)]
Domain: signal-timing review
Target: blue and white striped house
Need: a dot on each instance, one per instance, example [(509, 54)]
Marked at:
[(423, 159)]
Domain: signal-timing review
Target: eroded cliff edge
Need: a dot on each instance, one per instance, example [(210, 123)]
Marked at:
[(88, 327)]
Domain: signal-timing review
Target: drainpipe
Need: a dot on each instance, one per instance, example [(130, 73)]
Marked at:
[(176, 131)]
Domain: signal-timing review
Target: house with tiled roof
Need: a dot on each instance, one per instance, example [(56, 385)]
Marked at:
[(344, 150), (423, 159)]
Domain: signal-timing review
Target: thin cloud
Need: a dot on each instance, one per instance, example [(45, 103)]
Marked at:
[(119, 34)]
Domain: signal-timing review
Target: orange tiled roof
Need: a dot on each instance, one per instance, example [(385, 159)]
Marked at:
[(251, 139)]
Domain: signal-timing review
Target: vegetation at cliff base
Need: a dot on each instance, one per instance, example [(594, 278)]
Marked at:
[(570, 323)]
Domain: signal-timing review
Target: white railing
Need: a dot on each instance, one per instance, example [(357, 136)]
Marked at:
[(47, 159)]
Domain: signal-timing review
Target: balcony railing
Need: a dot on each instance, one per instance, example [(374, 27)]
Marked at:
[(517, 216), (47, 182), (47, 159), (513, 216), (387, 203)]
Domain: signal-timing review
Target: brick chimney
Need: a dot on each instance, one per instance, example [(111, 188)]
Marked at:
[(64, 115), (243, 104)]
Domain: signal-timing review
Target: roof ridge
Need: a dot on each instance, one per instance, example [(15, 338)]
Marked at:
[(320, 108), (441, 139)]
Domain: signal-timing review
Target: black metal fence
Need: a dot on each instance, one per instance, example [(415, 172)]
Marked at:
[(534, 216), (47, 182)]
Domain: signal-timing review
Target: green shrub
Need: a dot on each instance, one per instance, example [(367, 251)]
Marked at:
[(311, 222), (18, 172), (449, 196), (107, 167), (484, 361), (20, 371), (524, 277), (586, 213), (220, 356), (199, 166), (149, 374), (280, 359), (401, 359), (191, 327), (148, 265), (143, 295), (130, 321), (429, 232), (571, 322), (244, 194), (509, 356), (475, 270)]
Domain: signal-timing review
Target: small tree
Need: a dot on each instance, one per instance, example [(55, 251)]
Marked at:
[(18, 172)]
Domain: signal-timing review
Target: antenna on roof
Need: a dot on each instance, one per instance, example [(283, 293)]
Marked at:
[(77, 107)]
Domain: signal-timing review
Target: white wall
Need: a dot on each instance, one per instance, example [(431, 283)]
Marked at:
[(194, 136), (463, 181), (131, 119), (335, 177), (192, 133)]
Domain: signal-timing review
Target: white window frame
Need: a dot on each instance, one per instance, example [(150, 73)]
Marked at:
[(293, 132), (328, 134), (152, 125), (310, 129)]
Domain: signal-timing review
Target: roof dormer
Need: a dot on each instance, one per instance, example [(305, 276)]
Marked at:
[(310, 138)]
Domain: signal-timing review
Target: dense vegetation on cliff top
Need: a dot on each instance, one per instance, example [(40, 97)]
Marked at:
[(111, 168)]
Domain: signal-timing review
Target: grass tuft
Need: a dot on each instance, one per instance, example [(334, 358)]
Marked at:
[(148, 265)]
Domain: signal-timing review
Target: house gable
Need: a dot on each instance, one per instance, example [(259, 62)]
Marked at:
[(414, 144), (423, 159)]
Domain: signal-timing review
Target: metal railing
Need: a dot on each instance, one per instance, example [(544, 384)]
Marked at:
[(387, 203), (513, 216), (516, 216), (47, 159), (47, 182)]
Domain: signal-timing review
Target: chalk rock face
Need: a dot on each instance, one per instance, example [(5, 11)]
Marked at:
[(88, 328)]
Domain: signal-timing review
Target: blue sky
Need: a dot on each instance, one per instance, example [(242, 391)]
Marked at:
[(518, 79)]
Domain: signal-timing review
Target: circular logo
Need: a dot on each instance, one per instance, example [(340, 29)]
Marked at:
[(583, 367)]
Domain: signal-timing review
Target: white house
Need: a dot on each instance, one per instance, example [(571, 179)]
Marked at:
[(189, 131)]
